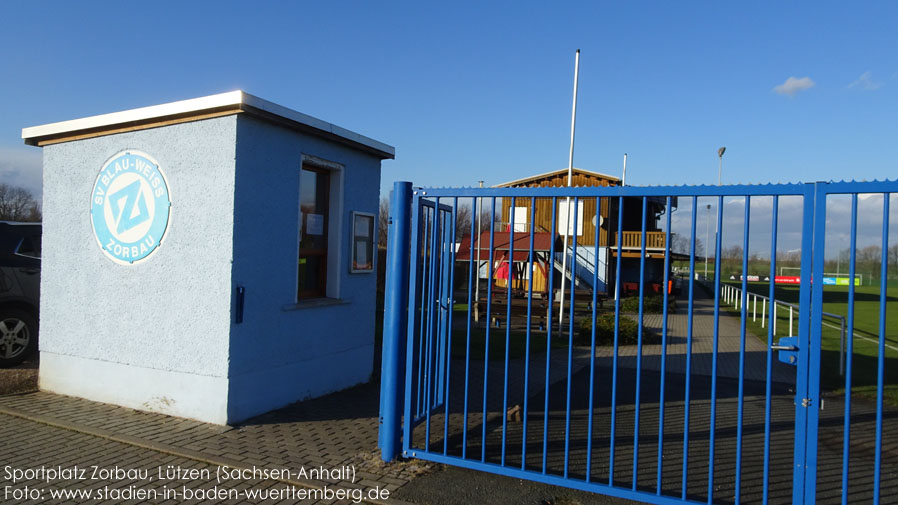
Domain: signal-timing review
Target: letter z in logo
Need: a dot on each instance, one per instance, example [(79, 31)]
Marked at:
[(130, 207)]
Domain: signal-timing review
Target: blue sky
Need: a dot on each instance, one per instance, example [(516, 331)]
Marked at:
[(470, 91)]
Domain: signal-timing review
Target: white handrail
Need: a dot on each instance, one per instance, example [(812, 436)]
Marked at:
[(733, 294)]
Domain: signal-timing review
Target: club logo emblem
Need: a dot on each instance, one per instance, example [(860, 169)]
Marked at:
[(130, 207)]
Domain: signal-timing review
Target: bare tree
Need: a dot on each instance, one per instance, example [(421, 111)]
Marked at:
[(18, 204), (383, 221), (462, 221)]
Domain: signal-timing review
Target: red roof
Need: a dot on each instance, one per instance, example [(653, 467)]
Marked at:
[(542, 241)]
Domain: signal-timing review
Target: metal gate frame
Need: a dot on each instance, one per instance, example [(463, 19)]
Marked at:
[(402, 325)]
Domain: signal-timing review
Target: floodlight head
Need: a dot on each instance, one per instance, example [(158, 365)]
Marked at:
[(721, 151)]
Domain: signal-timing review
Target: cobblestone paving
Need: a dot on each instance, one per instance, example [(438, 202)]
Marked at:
[(331, 432), (31, 445)]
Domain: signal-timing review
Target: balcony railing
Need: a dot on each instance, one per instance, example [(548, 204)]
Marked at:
[(633, 240), (654, 240)]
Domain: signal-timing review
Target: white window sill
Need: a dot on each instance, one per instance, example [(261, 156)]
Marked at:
[(313, 303)]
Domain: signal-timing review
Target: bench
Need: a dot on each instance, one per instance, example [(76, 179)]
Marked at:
[(499, 310)]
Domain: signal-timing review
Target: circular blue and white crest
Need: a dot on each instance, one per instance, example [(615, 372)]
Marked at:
[(130, 207)]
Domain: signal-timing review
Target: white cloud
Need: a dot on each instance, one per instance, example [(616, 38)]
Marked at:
[(794, 85), (866, 82)]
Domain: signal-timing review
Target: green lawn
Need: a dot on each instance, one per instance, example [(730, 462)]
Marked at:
[(866, 328), (517, 343)]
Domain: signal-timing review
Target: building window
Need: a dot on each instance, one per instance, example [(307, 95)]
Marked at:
[(314, 193), (362, 242)]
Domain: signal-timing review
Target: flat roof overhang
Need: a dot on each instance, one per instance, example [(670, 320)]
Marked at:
[(196, 109)]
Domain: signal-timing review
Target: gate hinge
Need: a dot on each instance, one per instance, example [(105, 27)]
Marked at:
[(805, 402)]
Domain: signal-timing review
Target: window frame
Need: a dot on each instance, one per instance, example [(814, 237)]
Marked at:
[(323, 254), (370, 243)]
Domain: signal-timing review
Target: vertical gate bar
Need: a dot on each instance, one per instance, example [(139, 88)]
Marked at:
[(508, 325), (473, 275), (846, 440), (592, 347), (486, 344), (395, 305), (549, 334), (639, 344), (744, 321), (769, 375), (446, 297), (880, 368), (689, 348), (414, 289), (440, 318), (434, 305), (425, 273), (572, 229), (617, 296), (814, 339), (810, 214), (527, 344), (451, 303), (663, 349), (717, 248)]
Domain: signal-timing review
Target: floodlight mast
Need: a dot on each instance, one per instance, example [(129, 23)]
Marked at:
[(720, 163), (570, 177)]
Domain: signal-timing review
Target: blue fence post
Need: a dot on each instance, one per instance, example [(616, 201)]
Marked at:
[(395, 320)]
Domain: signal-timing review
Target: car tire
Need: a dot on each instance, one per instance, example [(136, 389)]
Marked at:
[(18, 336)]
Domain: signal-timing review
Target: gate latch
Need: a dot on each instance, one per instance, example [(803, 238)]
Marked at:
[(805, 402), (788, 350)]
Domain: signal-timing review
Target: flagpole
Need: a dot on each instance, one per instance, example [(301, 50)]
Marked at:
[(570, 177), (623, 182)]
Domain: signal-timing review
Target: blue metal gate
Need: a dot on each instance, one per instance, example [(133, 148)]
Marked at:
[(644, 397)]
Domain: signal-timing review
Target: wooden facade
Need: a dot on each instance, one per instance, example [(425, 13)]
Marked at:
[(543, 212)]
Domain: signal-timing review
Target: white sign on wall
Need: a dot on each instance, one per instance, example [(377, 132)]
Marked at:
[(563, 227), (521, 215)]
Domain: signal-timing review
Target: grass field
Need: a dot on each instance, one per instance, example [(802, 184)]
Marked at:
[(866, 329)]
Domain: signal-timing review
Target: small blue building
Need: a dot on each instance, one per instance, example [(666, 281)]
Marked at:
[(210, 258)]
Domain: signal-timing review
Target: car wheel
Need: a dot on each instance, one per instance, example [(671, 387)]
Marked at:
[(18, 336)]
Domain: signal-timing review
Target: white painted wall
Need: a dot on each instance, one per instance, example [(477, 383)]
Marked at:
[(153, 335), (284, 352)]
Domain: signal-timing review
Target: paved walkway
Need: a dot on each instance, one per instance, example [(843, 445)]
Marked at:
[(729, 345), (340, 430)]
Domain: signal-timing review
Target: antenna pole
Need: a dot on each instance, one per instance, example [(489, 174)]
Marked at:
[(570, 178)]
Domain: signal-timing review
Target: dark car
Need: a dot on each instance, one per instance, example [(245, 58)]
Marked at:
[(20, 283)]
